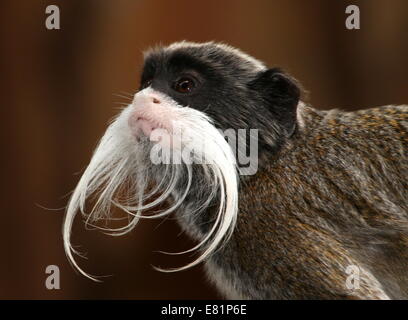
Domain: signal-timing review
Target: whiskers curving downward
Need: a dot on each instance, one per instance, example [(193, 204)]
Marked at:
[(121, 174)]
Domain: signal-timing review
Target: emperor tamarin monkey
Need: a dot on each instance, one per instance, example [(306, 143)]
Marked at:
[(329, 196)]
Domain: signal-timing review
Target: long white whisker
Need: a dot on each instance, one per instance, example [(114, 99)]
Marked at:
[(120, 174)]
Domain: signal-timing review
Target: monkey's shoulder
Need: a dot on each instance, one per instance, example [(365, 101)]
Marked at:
[(379, 131), (342, 163), (380, 121)]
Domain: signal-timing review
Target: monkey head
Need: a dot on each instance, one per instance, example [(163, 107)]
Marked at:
[(235, 90), (188, 92)]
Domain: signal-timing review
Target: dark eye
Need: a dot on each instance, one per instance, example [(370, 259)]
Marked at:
[(184, 85)]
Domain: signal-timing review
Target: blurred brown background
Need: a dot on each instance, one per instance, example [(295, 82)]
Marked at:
[(59, 92)]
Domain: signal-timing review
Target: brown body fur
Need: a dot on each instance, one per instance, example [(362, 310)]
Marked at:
[(336, 195)]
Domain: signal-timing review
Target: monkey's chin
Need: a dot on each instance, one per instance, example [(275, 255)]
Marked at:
[(121, 172)]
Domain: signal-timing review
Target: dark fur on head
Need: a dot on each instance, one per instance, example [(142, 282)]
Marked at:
[(234, 89)]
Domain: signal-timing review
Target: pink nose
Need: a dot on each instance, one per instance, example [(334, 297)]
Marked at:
[(148, 115)]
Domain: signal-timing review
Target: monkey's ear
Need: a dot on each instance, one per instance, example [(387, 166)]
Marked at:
[(281, 93)]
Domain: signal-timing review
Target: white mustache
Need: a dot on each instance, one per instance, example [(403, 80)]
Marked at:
[(121, 165)]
